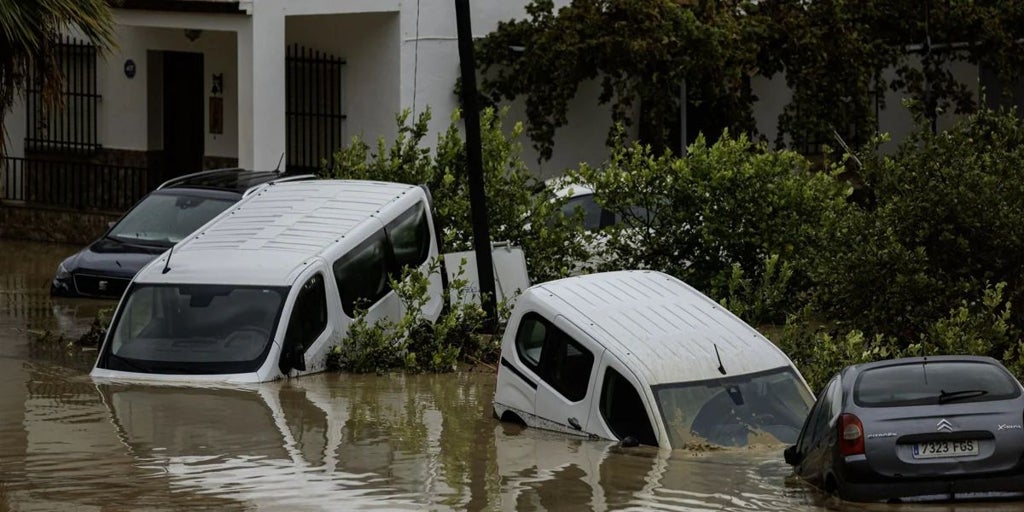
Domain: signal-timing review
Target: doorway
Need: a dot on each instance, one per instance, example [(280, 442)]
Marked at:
[(184, 135)]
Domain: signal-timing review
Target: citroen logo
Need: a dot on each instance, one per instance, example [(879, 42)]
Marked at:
[(103, 286), (944, 426)]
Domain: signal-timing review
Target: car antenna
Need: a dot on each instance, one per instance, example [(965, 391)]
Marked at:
[(279, 160), (721, 367), (167, 262)]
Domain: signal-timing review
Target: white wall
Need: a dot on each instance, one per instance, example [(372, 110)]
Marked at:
[(430, 67), (772, 96), (14, 122), (124, 122)]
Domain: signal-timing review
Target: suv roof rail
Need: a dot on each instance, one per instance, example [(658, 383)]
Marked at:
[(181, 179), (300, 177)]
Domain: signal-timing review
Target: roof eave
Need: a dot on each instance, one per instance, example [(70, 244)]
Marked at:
[(204, 6)]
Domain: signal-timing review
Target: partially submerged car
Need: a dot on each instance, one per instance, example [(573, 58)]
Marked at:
[(267, 288), (641, 357), (941, 427), (158, 221)]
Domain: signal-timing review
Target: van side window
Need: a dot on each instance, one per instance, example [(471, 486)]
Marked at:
[(409, 235), (623, 410), (309, 315), (554, 356), (362, 274)]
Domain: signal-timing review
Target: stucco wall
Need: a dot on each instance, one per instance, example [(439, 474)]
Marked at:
[(125, 113)]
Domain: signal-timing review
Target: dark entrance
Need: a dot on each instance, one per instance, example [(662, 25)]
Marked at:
[(184, 130)]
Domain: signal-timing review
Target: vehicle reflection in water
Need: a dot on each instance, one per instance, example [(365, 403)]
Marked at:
[(306, 443), (329, 441)]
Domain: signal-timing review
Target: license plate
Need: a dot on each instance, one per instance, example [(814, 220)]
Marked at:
[(934, 449)]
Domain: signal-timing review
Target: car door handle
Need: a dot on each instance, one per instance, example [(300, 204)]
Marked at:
[(575, 424)]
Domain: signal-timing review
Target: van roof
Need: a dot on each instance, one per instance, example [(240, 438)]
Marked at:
[(661, 326), (268, 236)]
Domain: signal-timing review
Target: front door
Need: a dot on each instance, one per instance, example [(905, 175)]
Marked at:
[(567, 372), (184, 130)]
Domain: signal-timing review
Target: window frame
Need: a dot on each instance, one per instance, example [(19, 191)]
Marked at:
[(423, 231), (649, 437), (350, 305), (547, 369)]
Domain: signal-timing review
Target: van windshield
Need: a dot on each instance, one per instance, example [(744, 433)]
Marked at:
[(195, 329), (763, 408)]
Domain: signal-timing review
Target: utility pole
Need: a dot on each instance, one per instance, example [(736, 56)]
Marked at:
[(474, 164)]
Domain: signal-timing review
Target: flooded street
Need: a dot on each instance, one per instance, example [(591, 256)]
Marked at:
[(326, 442)]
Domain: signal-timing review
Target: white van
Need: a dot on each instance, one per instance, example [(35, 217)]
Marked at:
[(640, 356), (268, 287)]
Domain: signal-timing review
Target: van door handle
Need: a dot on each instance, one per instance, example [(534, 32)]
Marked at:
[(575, 424)]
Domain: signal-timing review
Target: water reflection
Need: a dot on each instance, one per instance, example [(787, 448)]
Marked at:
[(329, 442)]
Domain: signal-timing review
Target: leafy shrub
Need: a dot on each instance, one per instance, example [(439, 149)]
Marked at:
[(979, 328), (414, 343), (946, 217), (715, 217)]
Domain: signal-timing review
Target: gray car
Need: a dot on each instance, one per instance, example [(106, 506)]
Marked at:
[(943, 427)]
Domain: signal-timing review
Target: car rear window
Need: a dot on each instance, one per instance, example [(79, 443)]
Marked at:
[(933, 383)]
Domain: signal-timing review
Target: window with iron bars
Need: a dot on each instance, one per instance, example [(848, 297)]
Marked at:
[(71, 125), (314, 108)]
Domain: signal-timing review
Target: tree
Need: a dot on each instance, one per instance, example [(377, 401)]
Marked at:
[(29, 32), (839, 58), (639, 50)]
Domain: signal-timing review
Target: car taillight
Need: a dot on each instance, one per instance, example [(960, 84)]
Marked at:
[(851, 435)]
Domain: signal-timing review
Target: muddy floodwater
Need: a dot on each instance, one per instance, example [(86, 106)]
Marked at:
[(326, 442)]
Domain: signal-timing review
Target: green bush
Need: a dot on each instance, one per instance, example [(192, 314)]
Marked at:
[(732, 217), (416, 344), (945, 216), (974, 327)]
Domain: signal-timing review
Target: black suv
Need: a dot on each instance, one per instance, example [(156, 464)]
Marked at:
[(162, 218)]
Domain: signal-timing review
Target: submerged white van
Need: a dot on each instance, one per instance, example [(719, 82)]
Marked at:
[(640, 356), (268, 287)]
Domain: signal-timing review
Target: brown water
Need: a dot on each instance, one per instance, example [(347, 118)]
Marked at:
[(326, 442)]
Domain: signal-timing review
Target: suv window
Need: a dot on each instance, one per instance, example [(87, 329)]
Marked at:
[(554, 356), (410, 238), (309, 316), (933, 382), (362, 274), (623, 410)]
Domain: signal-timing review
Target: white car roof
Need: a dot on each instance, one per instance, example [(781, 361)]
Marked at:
[(660, 326), (268, 237), (562, 186)]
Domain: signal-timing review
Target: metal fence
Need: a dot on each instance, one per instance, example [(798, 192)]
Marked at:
[(78, 185), (314, 108), (73, 125)]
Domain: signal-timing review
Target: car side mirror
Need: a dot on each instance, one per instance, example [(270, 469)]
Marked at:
[(792, 456)]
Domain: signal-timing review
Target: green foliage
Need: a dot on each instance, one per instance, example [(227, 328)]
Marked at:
[(30, 31), (731, 217), (515, 212), (636, 49), (946, 217), (839, 58), (414, 343), (757, 302), (978, 328)]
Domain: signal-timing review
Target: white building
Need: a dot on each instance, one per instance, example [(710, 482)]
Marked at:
[(206, 83), (211, 83)]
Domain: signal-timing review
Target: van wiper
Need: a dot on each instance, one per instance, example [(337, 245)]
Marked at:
[(950, 396)]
